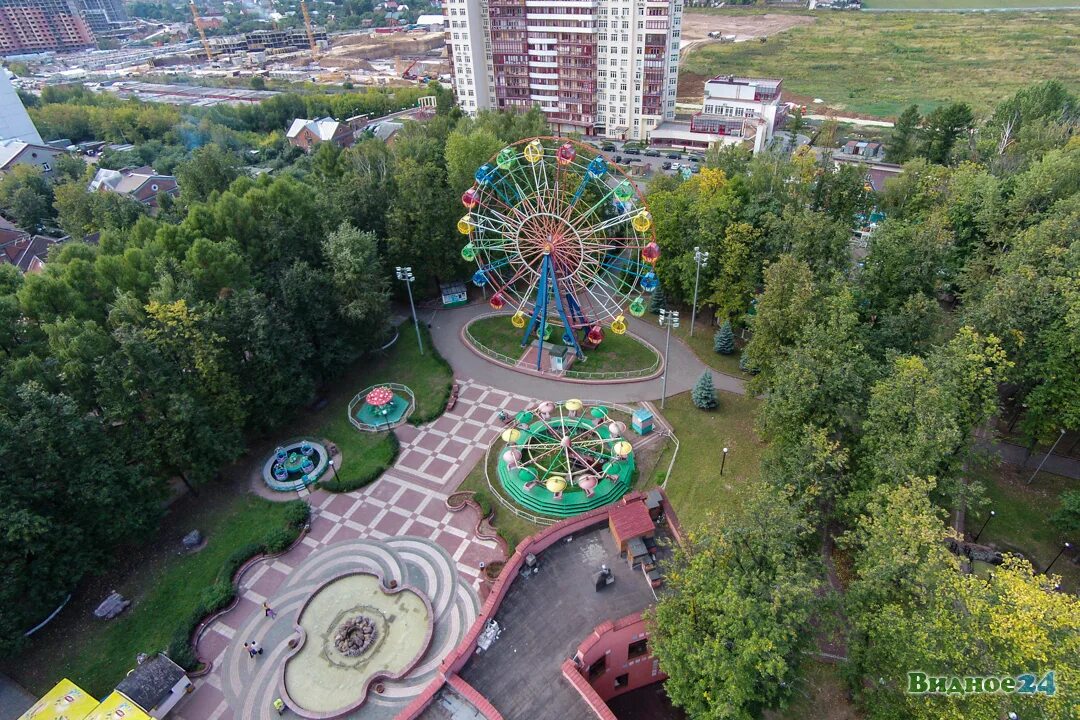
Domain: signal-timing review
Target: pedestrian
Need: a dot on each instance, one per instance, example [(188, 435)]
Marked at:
[(270, 613), (250, 651), (279, 705), (256, 648)]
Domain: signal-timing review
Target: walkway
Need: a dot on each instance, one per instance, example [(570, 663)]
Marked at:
[(684, 368)]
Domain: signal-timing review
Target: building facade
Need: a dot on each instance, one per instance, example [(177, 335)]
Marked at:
[(602, 68), (29, 26), (105, 17), (733, 109)]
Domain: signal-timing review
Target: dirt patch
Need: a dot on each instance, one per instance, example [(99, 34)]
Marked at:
[(697, 25)]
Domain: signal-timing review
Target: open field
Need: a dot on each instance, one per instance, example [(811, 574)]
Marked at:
[(875, 64), (945, 5)]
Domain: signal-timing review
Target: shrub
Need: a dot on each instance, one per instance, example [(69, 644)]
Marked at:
[(297, 514), (343, 484), (238, 557), (704, 394), (216, 597), (1067, 517), (724, 340), (278, 540)]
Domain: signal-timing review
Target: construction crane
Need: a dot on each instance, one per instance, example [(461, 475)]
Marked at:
[(202, 33), (310, 34)]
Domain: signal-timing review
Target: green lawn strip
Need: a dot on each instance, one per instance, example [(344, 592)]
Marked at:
[(100, 655), (511, 527), (701, 343), (696, 486), (963, 4), (366, 455), (1022, 515), (888, 61), (617, 353)]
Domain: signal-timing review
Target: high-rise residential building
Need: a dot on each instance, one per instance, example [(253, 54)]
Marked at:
[(105, 17), (29, 26), (606, 68)]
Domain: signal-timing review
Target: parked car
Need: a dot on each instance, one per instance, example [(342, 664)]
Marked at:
[(666, 165), (675, 156), (676, 167), (632, 150), (608, 147), (695, 158), (696, 169), (651, 152)]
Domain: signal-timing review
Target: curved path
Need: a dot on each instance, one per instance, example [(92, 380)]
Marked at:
[(684, 368)]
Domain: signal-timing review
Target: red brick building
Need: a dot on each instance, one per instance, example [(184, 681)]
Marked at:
[(142, 183), (306, 134)]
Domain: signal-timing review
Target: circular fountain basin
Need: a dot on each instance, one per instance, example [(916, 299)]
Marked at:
[(296, 477), (326, 677)]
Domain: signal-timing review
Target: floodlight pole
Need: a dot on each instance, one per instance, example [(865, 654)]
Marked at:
[(405, 274), (668, 319), (700, 258)]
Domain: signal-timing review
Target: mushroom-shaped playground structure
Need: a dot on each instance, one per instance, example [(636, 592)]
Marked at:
[(562, 459)]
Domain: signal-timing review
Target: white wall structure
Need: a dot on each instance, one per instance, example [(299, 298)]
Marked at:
[(602, 68), (15, 123), (733, 109)]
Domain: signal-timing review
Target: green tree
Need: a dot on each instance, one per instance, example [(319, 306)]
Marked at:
[(730, 629), (941, 129), (209, 169), (258, 82), (26, 197), (724, 339), (465, 152), (704, 394), (785, 307), (359, 281), (904, 135)]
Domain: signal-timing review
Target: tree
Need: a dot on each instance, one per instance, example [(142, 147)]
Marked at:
[(905, 132), (783, 309), (704, 394), (258, 82), (730, 630), (25, 196), (359, 281), (724, 339), (209, 169), (941, 129), (657, 301), (795, 124), (467, 150)]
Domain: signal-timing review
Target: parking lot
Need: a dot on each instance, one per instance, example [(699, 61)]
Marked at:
[(652, 163)]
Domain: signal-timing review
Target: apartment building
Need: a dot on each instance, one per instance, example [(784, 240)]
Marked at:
[(602, 68), (28, 26)]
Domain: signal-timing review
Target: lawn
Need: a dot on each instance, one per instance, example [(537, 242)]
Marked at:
[(702, 344), (878, 63), (101, 652), (512, 528), (1021, 516), (365, 455), (617, 353), (696, 486), (964, 4)]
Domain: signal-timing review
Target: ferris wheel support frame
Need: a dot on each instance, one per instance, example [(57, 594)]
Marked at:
[(548, 277)]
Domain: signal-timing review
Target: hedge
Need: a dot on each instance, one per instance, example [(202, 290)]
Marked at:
[(419, 417), (221, 594)]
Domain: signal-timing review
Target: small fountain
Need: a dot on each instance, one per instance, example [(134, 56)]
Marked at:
[(295, 465), (355, 636)]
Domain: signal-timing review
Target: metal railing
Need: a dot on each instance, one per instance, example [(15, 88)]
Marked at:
[(546, 521), (359, 399), (577, 374)]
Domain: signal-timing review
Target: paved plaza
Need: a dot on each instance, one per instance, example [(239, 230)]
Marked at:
[(400, 525)]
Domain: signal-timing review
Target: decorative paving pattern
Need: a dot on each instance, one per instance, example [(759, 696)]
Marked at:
[(405, 508)]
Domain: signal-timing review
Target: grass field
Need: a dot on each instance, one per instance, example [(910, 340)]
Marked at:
[(101, 652), (965, 4), (617, 353), (876, 64)]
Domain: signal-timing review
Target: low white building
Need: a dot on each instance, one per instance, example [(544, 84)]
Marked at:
[(733, 110)]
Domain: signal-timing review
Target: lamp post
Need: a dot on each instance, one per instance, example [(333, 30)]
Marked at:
[(1065, 547), (668, 319), (1053, 447), (985, 522), (334, 469), (405, 274), (700, 258), (723, 461)]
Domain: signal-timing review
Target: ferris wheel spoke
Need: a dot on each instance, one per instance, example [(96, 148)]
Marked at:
[(609, 223)]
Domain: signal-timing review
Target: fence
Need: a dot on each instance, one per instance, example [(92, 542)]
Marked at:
[(358, 399)]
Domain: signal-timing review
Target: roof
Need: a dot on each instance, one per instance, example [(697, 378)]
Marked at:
[(26, 252), (385, 130), (429, 20), (151, 682), (124, 181), (323, 128), (10, 149), (65, 700), (630, 518)]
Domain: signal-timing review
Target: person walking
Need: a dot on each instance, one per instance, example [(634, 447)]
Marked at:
[(256, 648), (269, 611), (279, 705), (250, 650)]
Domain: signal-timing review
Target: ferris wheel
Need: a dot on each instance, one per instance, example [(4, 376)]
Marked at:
[(561, 236)]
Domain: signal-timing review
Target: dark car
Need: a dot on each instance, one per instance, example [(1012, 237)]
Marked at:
[(666, 165), (696, 169), (674, 156), (632, 151), (652, 153), (608, 147), (694, 158)]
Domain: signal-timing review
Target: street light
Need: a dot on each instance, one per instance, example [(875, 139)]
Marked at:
[(668, 319), (1053, 447), (700, 258), (985, 522), (405, 274), (1063, 549), (331, 461), (723, 461)]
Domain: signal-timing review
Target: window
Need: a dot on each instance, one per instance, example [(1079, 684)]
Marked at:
[(154, 187), (45, 167), (622, 681), (638, 648), (597, 668)]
